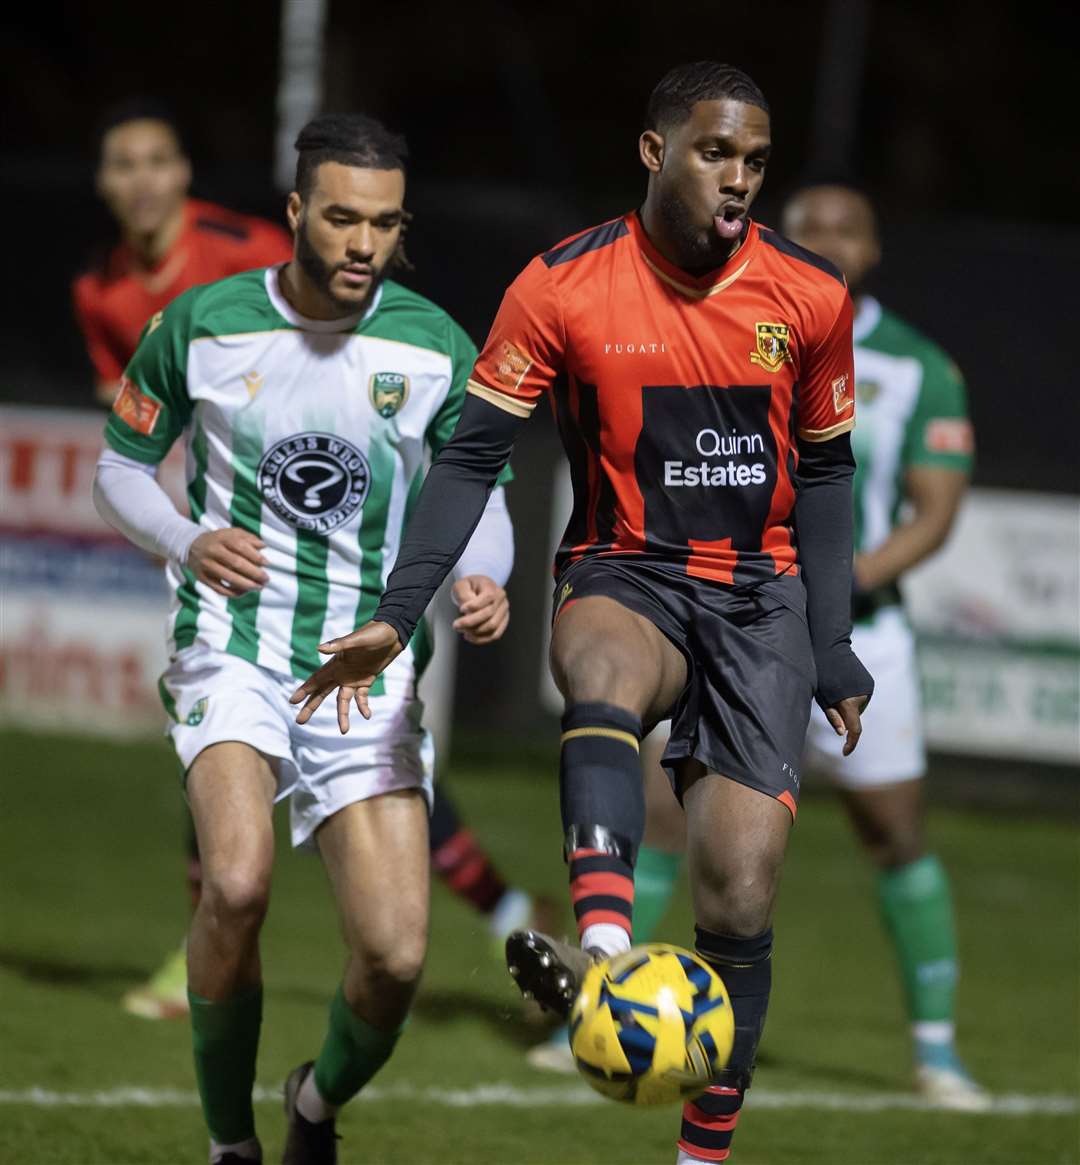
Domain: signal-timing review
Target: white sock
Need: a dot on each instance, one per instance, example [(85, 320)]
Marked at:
[(310, 1104), (250, 1150), (934, 1031), (605, 937), (513, 911), (684, 1158)]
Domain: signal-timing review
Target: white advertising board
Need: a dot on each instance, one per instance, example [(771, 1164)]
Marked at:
[(82, 613)]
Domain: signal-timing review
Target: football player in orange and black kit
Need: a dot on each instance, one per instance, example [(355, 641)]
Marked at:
[(700, 369), (168, 240)]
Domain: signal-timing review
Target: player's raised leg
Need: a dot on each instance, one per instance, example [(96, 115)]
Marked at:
[(614, 669), (656, 872), (230, 789), (376, 856)]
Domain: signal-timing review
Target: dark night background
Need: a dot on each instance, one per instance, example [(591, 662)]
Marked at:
[(522, 120)]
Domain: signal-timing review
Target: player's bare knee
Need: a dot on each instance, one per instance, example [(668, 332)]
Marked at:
[(237, 898), (395, 968), (897, 847), (737, 902)]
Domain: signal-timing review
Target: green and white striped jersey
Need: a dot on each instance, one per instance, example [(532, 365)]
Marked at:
[(315, 435), (912, 410)]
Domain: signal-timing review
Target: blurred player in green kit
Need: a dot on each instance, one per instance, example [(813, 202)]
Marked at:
[(913, 447)]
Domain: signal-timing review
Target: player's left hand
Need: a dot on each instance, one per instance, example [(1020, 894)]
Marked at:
[(484, 607), (846, 716)]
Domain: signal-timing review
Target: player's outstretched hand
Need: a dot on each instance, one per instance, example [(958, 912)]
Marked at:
[(484, 607), (846, 716), (229, 561), (358, 658)]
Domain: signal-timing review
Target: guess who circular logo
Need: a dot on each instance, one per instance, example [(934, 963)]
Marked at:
[(314, 481)]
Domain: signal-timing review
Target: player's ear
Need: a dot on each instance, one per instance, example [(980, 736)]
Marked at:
[(651, 151), (293, 209)]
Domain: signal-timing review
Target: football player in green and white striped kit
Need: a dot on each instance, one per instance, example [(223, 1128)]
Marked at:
[(310, 398), (913, 449)]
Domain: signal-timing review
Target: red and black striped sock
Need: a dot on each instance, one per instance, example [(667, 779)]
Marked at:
[(745, 965), (603, 814), (708, 1123), (458, 859)]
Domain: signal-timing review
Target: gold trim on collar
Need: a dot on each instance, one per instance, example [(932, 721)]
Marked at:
[(695, 292)]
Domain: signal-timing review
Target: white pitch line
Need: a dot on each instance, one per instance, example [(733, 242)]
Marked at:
[(513, 1096)]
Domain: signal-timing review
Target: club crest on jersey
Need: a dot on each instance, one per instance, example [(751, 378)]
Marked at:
[(771, 346), (314, 481), (388, 392), (198, 710)]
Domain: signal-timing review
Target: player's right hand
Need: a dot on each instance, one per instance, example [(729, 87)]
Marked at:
[(358, 658), (228, 561)]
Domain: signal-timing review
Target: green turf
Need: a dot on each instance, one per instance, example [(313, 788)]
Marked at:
[(93, 897)]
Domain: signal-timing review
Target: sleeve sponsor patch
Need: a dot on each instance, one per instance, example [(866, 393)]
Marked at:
[(949, 435), (137, 410), (511, 365), (842, 398)]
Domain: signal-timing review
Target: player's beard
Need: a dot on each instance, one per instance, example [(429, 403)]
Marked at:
[(320, 273), (700, 249)]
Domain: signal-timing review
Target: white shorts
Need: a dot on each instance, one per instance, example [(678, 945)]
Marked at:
[(212, 697), (891, 748)]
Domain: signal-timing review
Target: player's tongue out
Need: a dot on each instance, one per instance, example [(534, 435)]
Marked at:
[(729, 223)]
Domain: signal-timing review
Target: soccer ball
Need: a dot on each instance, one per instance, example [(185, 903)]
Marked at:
[(651, 1026)]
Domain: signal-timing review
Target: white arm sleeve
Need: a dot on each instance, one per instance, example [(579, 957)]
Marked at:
[(490, 550), (128, 497)]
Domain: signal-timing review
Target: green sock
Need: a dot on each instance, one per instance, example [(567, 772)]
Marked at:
[(655, 875), (917, 909), (352, 1053), (225, 1037)]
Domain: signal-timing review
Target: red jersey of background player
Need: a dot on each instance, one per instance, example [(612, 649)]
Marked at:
[(113, 304), (678, 399)]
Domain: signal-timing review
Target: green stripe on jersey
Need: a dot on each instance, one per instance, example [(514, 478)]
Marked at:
[(313, 590), (246, 513), (188, 615), (382, 458)]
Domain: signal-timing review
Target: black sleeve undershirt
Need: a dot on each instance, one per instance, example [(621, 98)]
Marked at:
[(825, 528), (450, 505)]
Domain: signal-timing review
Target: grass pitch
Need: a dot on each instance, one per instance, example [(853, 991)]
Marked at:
[(93, 898)]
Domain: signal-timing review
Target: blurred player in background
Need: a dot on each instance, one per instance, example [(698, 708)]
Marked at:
[(700, 367), (168, 243), (913, 447), (310, 396), (913, 452), (168, 240)]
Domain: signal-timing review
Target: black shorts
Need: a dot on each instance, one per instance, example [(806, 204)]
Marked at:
[(750, 668)]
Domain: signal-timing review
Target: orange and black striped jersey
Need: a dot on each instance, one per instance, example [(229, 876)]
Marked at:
[(678, 399)]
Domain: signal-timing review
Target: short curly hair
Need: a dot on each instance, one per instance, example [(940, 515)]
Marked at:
[(681, 88)]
